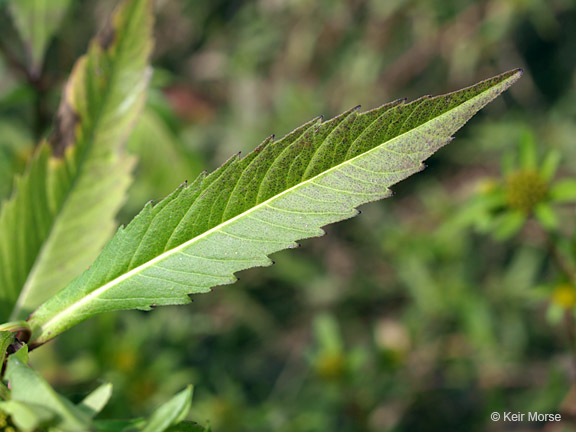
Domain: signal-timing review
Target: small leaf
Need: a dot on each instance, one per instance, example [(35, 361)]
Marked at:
[(545, 214), (528, 153), (27, 417), (550, 165), (30, 389), (62, 211), (170, 413), (249, 208), (36, 21), (97, 400), (563, 191), (508, 164), (509, 224), (328, 333), (6, 338)]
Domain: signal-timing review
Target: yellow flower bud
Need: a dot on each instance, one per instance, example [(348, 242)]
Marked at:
[(330, 366), (564, 295)]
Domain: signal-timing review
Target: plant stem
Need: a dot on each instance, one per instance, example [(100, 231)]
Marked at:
[(37, 81), (556, 254), (571, 331)]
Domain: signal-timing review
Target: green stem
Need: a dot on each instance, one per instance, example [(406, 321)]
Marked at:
[(563, 264)]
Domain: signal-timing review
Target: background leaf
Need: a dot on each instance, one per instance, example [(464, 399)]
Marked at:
[(63, 208), (15, 149), (159, 152), (97, 400), (6, 338), (170, 413), (283, 191), (37, 21), (27, 416), (29, 388)]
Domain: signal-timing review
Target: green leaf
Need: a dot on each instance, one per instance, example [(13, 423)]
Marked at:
[(28, 417), (249, 208), (162, 162), (63, 208), (15, 148), (187, 426), (545, 214), (509, 224), (6, 338), (550, 164), (97, 400), (119, 425), (528, 151), (563, 191), (328, 333), (36, 21), (170, 413), (30, 389)]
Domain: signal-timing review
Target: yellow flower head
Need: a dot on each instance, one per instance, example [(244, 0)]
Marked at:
[(331, 366), (525, 189), (564, 295)]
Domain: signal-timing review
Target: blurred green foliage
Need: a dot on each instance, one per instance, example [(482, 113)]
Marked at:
[(422, 314)]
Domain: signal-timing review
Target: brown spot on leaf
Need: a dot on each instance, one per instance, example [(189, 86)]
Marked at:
[(65, 134), (106, 36)]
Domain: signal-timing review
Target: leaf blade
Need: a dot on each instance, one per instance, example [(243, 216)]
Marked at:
[(30, 389), (62, 211), (96, 400), (198, 238), (170, 413)]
